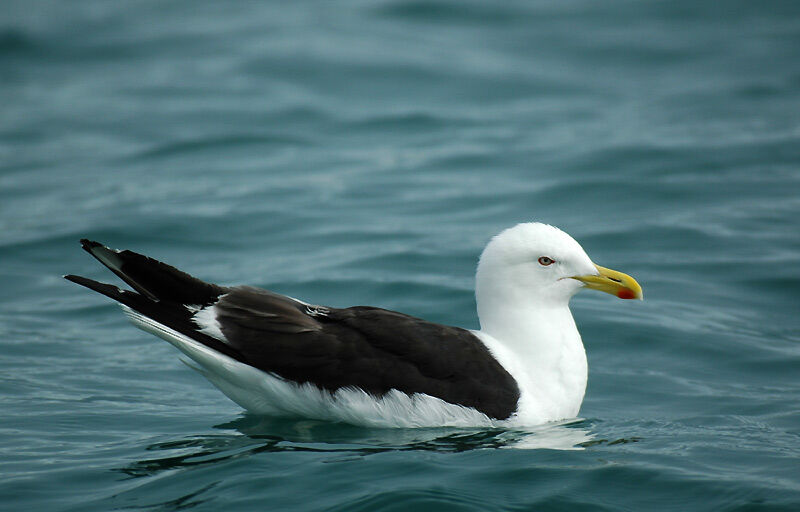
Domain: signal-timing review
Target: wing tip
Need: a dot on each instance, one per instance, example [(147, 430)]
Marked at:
[(83, 281), (87, 245)]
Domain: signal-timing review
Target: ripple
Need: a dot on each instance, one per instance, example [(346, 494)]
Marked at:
[(257, 435), (220, 143), (363, 153), (448, 12)]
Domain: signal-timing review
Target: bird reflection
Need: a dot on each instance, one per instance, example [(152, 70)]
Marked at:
[(249, 435)]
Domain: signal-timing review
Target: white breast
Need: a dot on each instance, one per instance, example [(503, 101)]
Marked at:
[(550, 368)]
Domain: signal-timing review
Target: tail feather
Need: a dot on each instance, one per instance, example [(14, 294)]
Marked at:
[(175, 315), (109, 290), (160, 292), (152, 278)]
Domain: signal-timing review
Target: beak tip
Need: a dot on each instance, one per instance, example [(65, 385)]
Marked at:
[(613, 282)]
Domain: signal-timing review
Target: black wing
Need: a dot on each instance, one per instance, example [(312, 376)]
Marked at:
[(369, 348)]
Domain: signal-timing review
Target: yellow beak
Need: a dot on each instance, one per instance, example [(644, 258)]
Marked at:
[(613, 282)]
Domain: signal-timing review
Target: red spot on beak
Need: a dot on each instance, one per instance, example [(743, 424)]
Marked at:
[(625, 293)]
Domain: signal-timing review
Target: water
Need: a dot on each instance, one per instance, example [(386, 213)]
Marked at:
[(363, 153)]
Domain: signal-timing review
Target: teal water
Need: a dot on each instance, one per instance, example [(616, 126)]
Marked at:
[(363, 153)]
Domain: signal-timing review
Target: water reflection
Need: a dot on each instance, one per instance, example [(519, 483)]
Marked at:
[(249, 435), (185, 502)]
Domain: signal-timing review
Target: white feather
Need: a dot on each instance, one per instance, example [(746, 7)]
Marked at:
[(206, 320), (525, 319)]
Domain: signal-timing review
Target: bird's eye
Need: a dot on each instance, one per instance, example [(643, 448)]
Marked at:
[(544, 261)]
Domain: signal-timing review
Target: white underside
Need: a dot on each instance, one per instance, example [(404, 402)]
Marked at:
[(549, 392), (268, 394)]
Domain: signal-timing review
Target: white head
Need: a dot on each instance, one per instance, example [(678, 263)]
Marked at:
[(535, 265)]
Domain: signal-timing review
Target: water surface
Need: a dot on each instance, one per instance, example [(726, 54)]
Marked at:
[(363, 153)]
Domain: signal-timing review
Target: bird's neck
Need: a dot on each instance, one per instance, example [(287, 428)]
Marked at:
[(530, 330), (542, 349)]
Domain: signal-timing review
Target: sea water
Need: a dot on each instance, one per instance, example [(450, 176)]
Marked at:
[(364, 152)]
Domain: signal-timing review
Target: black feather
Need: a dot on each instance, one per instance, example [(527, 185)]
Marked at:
[(174, 316), (152, 278)]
